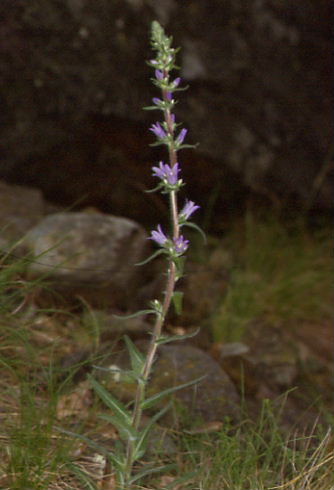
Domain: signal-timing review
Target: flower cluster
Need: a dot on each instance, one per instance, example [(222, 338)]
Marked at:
[(175, 247), (165, 133)]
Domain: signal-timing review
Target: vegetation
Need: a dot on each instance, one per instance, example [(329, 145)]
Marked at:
[(279, 273), (38, 396)]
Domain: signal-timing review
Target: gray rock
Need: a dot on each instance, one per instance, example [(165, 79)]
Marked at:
[(92, 251), (211, 399)]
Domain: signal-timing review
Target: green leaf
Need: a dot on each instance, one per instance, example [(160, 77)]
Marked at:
[(136, 357), (126, 431), (115, 405), (151, 257), (151, 108), (179, 263), (181, 147), (122, 375), (165, 340), (155, 189), (149, 402), (151, 470), (134, 315), (177, 301), (141, 444), (195, 227)]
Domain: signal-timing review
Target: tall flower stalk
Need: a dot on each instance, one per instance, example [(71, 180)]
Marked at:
[(132, 443), (170, 184)]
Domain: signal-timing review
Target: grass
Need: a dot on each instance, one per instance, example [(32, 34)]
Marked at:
[(278, 273)]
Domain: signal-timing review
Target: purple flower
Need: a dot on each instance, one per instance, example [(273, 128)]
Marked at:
[(153, 62), (172, 118), (176, 82), (169, 95), (158, 236), (167, 173), (180, 244), (158, 131), (188, 209), (156, 101), (179, 140), (159, 75)]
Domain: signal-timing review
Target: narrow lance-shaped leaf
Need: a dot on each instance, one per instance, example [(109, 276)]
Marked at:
[(115, 405), (195, 227), (134, 315), (151, 257), (142, 439), (149, 402), (126, 431), (173, 338), (136, 357)]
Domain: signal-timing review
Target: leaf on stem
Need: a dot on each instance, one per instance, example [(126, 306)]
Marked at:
[(149, 402), (134, 315), (165, 340), (115, 405), (195, 227), (125, 430), (141, 445), (151, 257), (136, 357)]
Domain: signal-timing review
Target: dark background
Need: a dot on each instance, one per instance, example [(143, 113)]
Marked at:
[(74, 81)]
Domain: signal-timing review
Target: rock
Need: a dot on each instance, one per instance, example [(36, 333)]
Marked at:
[(265, 365), (90, 254), (210, 400)]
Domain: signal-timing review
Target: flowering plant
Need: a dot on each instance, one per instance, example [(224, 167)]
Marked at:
[(133, 440)]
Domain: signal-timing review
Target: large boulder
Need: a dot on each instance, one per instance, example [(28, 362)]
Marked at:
[(89, 254)]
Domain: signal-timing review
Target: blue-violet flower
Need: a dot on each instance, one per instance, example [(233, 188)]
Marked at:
[(158, 131), (188, 209), (159, 75), (158, 236), (180, 244), (166, 173), (179, 140)]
